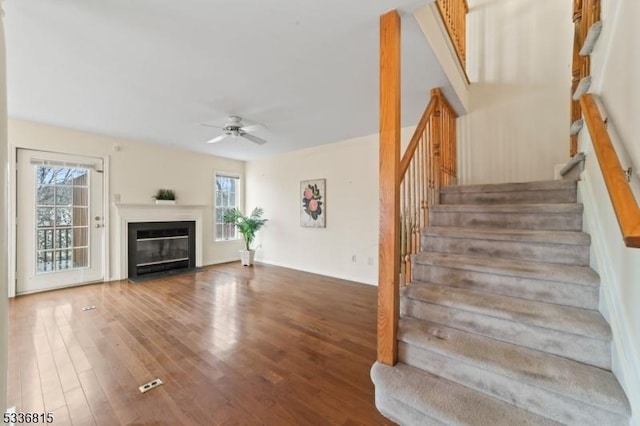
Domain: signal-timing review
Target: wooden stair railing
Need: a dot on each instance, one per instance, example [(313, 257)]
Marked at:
[(454, 16), (585, 14), (429, 163), (624, 203)]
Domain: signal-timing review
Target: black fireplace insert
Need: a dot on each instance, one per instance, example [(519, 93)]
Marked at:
[(156, 247)]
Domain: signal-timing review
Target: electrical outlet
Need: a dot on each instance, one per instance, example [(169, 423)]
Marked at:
[(354, 259), (116, 198), (370, 261)]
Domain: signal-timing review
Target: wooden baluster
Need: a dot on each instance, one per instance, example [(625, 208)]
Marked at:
[(453, 15), (389, 244), (585, 13), (416, 223), (595, 11), (444, 149), (403, 210), (423, 184), (437, 141), (577, 10)]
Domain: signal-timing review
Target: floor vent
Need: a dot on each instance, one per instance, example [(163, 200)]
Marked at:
[(148, 386)]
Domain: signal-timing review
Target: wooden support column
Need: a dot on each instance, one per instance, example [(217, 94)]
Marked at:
[(389, 240)]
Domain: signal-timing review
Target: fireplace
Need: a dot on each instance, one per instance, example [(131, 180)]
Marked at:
[(157, 247)]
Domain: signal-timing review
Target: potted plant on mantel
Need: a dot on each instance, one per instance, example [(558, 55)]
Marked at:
[(248, 226), (165, 196)]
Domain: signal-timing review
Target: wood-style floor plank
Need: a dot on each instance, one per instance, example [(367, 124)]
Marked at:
[(232, 345)]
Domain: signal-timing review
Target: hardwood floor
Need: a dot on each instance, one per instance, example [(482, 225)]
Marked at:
[(233, 345)]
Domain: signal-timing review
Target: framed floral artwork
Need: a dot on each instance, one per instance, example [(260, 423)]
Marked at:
[(313, 208)]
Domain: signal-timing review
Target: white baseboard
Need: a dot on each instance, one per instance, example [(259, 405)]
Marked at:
[(312, 271), (223, 260)]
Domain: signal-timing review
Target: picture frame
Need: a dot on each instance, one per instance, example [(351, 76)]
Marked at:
[(313, 206)]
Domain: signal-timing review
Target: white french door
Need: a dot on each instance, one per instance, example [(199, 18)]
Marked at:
[(60, 223)]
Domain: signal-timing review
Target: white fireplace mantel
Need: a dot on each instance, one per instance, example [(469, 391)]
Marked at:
[(129, 213)]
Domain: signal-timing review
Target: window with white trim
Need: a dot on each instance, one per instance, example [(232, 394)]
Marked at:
[(226, 197)]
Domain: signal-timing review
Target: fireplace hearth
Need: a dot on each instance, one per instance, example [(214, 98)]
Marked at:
[(161, 247)]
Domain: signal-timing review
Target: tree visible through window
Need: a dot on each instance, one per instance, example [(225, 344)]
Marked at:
[(226, 197), (62, 218)]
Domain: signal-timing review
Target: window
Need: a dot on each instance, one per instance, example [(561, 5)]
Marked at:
[(227, 196)]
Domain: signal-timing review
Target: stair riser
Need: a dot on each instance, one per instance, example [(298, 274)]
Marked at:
[(401, 413), (567, 294), (590, 351), (543, 402), (515, 197), (548, 222), (402, 386), (552, 253)]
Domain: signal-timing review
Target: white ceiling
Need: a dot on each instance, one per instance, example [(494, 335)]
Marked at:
[(152, 70)]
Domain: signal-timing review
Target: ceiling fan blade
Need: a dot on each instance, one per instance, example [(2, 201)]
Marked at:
[(210, 125), (251, 128), (218, 139), (254, 139)]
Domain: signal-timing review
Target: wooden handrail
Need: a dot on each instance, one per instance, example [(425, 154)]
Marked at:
[(415, 139), (454, 16), (624, 203)]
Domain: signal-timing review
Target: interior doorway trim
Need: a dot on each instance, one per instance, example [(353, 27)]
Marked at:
[(13, 212)]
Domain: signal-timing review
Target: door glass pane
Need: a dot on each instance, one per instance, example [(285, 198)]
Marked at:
[(80, 237), (80, 177), (62, 218), (45, 239), (62, 238), (63, 195), (80, 216), (44, 261), (63, 259), (44, 216), (80, 196), (81, 258), (46, 195)]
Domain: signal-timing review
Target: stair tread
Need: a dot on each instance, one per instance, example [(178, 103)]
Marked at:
[(512, 187), (559, 208), (583, 275), (573, 379), (447, 401), (582, 322), (502, 234)]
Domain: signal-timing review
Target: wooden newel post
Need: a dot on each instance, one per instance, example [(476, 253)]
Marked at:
[(389, 239)]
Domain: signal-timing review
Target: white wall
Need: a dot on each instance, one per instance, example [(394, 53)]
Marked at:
[(518, 60), (137, 170), (351, 172), (615, 63), (4, 227), (615, 69)]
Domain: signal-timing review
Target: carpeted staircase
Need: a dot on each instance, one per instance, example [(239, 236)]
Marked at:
[(500, 325)]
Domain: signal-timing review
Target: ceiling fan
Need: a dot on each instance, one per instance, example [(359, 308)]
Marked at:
[(234, 128)]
